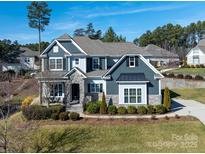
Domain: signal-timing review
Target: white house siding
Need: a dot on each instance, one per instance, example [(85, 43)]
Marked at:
[(30, 64), (81, 65), (195, 52)]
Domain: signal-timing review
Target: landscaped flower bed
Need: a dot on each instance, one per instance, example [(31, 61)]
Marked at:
[(182, 76)]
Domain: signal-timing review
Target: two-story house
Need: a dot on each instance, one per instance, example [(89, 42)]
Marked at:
[(78, 69)]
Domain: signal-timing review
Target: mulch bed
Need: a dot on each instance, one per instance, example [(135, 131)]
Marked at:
[(95, 121)]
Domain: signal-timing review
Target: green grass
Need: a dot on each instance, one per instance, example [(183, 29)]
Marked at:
[(189, 71), (197, 94), (135, 137)]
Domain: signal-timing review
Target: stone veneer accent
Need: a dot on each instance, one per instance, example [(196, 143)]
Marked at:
[(154, 99)]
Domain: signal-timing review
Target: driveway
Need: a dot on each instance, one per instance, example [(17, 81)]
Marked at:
[(189, 107)]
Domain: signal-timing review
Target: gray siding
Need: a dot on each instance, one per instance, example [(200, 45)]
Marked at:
[(153, 85), (70, 47)]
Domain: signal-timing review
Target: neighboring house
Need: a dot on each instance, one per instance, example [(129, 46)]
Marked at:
[(29, 59), (196, 56), (161, 56), (76, 70)]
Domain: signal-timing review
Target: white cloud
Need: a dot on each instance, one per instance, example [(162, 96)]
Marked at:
[(163, 8), (20, 36), (66, 25)]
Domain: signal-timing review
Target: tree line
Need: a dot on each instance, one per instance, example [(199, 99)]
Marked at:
[(109, 36), (174, 38)]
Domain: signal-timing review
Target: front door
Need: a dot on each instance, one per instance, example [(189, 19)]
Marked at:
[(75, 92)]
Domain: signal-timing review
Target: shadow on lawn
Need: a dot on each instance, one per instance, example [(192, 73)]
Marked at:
[(172, 94)]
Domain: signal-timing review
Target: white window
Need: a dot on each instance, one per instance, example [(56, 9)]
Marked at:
[(27, 60), (196, 52), (55, 49), (132, 95), (56, 64), (96, 63), (95, 88), (56, 90), (76, 61), (132, 61)]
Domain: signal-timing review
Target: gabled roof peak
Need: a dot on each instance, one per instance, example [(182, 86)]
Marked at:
[(64, 37)]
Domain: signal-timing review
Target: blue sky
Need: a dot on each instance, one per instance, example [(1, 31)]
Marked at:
[(131, 19)]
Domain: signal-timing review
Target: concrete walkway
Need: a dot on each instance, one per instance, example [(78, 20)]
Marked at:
[(181, 107), (189, 107)]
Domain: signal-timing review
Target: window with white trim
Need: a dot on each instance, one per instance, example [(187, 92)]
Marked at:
[(132, 95), (55, 49), (27, 59), (56, 63), (131, 61), (76, 61), (95, 87), (56, 90), (96, 63)]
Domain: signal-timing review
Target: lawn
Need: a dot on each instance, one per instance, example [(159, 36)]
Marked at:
[(189, 71), (197, 94), (185, 135)]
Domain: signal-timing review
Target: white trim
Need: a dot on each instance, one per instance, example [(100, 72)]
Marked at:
[(132, 81), (55, 58), (130, 61), (93, 63), (96, 81), (160, 87), (143, 88), (63, 48), (78, 46), (75, 69), (106, 63)]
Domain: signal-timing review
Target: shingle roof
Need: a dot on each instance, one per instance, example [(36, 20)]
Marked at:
[(28, 52), (132, 77), (201, 42), (51, 74), (158, 52), (98, 73), (64, 37)]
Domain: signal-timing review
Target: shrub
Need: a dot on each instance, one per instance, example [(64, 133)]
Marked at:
[(160, 109), (188, 77), (150, 109), (171, 75), (74, 116), (55, 116), (198, 77), (26, 102), (121, 110), (112, 109), (131, 110), (103, 105), (63, 116), (153, 117), (177, 116), (57, 108), (142, 110), (202, 66), (197, 66), (167, 99), (180, 76), (166, 118), (93, 107), (192, 66), (36, 112)]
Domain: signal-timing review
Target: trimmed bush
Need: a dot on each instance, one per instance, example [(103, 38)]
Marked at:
[(198, 77), (36, 112), (197, 66), (93, 107), (121, 110), (167, 99), (112, 109), (103, 105), (160, 109), (55, 116), (202, 66), (150, 109), (74, 116), (188, 77), (180, 76), (63, 116), (192, 66), (131, 110), (171, 75), (57, 108), (142, 110)]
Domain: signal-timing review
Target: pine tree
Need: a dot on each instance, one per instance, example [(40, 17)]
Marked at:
[(166, 99), (103, 105)]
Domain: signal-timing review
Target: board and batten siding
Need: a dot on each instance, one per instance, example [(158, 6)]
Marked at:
[(195, 52), (152, 85)]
